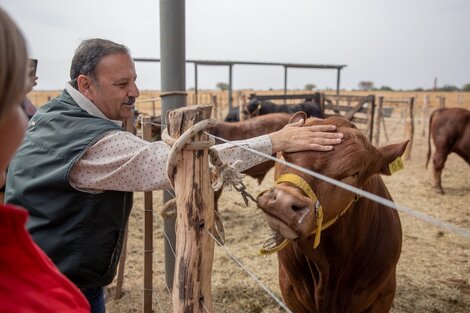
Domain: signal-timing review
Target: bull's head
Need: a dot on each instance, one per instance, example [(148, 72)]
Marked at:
[(299, 206)]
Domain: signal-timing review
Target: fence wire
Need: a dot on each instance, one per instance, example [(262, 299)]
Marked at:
[(386, 202)]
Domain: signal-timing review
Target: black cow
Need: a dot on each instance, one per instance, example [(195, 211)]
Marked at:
[(233, 115), (260, 107)]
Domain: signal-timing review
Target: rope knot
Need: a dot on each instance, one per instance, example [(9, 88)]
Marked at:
[(184, 142), (223, 174)]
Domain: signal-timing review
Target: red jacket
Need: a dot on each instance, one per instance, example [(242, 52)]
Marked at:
[(29, 281)]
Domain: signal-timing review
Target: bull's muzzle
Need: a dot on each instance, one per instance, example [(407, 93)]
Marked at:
[(287, 211)]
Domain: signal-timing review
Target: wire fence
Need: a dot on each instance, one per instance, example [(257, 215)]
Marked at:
[(410, 211)]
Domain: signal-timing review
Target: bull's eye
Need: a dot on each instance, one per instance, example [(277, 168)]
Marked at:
[(351, 179)]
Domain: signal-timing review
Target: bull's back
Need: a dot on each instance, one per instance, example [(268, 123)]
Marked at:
[(253, 127), (450, 130), (250, 128)]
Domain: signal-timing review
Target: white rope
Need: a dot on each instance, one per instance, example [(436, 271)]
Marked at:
[(183, 142), (420, 215)]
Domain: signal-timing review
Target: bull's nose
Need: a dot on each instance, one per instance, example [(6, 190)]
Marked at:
[(287, 211), (275, 198)]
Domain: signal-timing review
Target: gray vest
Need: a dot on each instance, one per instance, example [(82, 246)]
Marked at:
[(81, 232)]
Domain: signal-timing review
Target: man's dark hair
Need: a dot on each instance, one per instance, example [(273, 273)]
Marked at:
[(89, 53)]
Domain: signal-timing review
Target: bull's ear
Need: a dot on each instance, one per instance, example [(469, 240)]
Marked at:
[(389, 154), (297, 116)]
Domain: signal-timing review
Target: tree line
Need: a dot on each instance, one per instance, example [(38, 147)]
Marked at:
[(369, 85)]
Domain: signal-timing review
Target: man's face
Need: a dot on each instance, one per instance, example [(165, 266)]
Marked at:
[(114, 89), (31, 78)]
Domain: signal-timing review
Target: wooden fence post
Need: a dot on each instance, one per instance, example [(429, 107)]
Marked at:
[(370, 116), (425, 115), (217, 110), (378, 120), (195, 217), (322, 103), (148, 230), (442, 102), (409, 130)]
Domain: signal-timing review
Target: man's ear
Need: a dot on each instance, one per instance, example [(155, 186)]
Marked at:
[(389, 154), (297, 117), (84, 84)]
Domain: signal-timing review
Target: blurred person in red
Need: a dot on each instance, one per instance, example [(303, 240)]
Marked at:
[(29, 281)]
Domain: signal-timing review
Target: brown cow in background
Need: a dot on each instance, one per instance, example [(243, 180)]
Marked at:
[(450, 131), (256, 126), (353, 267)]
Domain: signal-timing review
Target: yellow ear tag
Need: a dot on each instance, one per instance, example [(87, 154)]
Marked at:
[(396, 165)]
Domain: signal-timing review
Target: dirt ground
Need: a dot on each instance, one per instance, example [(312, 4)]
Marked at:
[(433, 271)]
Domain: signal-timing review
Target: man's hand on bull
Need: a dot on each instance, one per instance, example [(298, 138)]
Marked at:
[(294, 137)]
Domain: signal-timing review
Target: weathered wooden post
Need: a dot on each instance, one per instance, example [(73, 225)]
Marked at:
[(217, 110), (195, 217), (378, 120), (370, 116), (442, 102), (243, 105), (322, 102), (148, 230), (409, 130), (425, 114)]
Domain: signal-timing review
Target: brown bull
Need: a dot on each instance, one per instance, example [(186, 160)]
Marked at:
[(450, 131), (342, 252)]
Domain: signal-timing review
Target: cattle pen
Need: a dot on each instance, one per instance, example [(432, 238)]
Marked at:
[(433, 269), (419, 289)]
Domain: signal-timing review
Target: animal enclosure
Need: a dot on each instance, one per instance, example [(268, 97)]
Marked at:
[(432, 271)]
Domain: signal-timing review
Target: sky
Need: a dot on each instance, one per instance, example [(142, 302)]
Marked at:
[(402, 44)]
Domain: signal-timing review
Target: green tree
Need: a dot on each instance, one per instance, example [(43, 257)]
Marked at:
[(222, 86), (449, 88), (385, 88), (310, 87), (466, 87)]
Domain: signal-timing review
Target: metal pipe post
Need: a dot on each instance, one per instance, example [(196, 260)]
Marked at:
[(230, 98), (173, 86)]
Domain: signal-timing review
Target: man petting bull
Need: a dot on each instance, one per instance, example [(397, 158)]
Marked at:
[(77, 168)]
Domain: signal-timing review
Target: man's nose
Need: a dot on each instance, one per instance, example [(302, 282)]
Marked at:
[(134, 90)]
